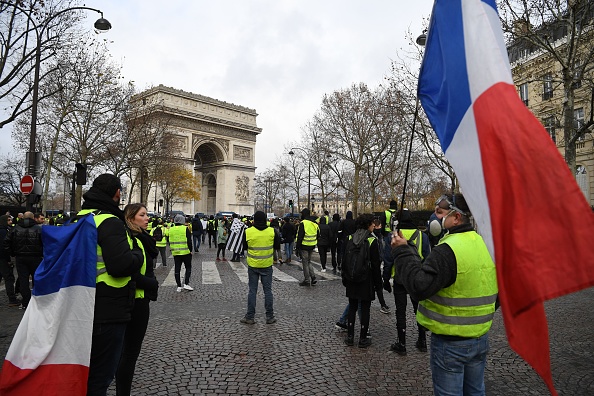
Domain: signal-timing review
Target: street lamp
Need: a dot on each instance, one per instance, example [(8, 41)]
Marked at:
[(308, 174), (101, 24)]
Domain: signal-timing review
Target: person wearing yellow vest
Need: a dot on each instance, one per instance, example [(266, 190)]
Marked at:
[(307, 238), (162, 243), (260, 241), (114, 292), (147, 287), (456, 287), (421, 242), (180, 243)]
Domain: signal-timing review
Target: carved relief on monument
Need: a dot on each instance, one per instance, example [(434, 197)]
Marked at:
[(242, 188), (242, 153), (182, 141), (215, 129)]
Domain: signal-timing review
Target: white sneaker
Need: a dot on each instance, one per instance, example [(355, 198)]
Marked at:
[(323, 269), (179, 289), (188, 287)]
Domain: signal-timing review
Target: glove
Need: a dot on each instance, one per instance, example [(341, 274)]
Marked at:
[(387, 286)]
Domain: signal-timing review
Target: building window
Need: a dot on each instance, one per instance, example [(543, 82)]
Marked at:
[(577, 75), (549, 124), (524, 93), (578, 116), (547, 92)]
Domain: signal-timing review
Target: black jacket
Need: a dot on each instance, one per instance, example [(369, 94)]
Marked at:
[(197, 228), (335, 227), (325, 235), (4, 231), (24, 240), (113, 305), (347, 227), (147, 282), (366, 290), (288, 232)]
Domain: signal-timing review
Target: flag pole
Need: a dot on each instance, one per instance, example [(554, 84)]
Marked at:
[(412, 134)]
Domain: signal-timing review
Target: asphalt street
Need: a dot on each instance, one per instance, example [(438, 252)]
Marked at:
[(196, 345)]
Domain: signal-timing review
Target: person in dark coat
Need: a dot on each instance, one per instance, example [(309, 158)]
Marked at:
[(6, 267), (335, 244), (288, 232), (347, 227), (24, 243), (363, 292), (197, 231), (324, 240)]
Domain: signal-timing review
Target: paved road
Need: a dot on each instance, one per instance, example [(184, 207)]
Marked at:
[(195, 344)]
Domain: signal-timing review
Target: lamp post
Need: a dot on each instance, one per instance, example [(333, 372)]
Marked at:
[(308, 174), (101, 24)]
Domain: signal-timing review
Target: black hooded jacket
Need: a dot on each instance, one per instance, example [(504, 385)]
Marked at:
[(24, 240), (113, 305)]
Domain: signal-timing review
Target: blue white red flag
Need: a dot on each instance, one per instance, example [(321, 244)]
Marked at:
[(527, 205), (50, 351)]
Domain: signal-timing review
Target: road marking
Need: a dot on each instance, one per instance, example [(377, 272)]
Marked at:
[(170, 280), (240, 270), (282, 276), (210, 273)]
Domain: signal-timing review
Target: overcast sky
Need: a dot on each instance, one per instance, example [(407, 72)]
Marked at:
[(276, 56)]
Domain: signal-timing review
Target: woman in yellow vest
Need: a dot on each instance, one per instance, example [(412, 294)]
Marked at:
[(456, 287), (146, 290)]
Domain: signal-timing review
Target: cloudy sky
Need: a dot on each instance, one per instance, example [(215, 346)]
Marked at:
[(276, 56)]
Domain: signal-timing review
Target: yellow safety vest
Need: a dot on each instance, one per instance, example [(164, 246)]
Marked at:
[(389, 213), (162, 242), (102, 275), (466, 308), (178, 242), (139, 292), (408, 233), (310, 237), (260, 247)]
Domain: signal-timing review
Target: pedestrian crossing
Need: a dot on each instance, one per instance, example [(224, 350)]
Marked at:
[(210, 274)]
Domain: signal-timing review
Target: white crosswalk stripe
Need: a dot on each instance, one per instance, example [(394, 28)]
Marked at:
[(210, 274), (240, 270)]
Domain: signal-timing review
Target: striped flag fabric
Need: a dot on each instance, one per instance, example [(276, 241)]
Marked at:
[(235, 240), (528, 207), (50, 352)]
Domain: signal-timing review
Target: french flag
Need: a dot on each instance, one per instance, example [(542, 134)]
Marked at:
[(530, 211), (50, 352)]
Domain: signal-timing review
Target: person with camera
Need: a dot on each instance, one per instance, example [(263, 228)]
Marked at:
[(456, 287)]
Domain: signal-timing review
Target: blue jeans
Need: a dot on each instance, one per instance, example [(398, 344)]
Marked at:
[(265, 276), (458, 367), (197, 240), (106, 349), (288, 250)]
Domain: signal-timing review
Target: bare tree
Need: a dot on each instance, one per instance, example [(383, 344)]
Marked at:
[(563, 30), (12, 170), (31, 32)]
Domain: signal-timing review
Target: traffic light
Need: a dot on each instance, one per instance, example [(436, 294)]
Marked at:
[(290, 203), (160, 202)]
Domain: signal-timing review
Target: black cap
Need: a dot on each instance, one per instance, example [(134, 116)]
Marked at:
[(260, 217), (108, 184)]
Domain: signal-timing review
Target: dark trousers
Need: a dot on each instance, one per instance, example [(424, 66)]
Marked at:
[(135, 331), (221, 249), (365, 308), (7, 273), (26, 267), (186, 259), (336, 256), (163, 253), (106, 349), (400, 299), (323, 251), (212, 238)]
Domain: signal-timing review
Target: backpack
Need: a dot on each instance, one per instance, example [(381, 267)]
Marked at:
[(393, 219), (210, 226), (356, 264), (158, 234)]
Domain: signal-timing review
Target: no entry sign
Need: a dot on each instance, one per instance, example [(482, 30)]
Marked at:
[(27, 184)]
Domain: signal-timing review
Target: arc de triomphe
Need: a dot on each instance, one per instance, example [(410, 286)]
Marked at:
[(218, 141)]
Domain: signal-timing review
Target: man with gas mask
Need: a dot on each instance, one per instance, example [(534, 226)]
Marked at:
[(456, 287)]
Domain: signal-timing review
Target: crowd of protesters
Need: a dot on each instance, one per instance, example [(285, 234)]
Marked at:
[(372, 254)]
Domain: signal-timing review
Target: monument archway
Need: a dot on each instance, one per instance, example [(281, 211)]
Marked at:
[(217, 142)]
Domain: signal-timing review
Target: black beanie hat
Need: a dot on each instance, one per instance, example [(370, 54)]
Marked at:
[(259, 217), (393, 204), (108, 184)]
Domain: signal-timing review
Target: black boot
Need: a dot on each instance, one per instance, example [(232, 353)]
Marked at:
[(350, 340), (421, 343), (400, 346)]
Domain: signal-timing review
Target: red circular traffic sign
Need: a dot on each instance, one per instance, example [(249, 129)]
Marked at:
[(27, 184)]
